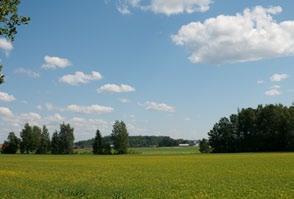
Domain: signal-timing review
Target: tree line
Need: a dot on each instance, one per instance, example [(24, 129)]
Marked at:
[(263, 129), (141, 141), (36, 140)]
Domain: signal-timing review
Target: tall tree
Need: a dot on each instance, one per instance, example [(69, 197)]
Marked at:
[(66, 138), (44, 144), (97, 144), (55, 143), (9, 20), (11, 145), (26, 135), (120, 137), (36, 138)]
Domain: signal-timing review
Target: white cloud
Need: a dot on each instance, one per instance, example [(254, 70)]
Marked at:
[(31, 118), (97, 109), (6, 97), (250, 36), (55, 118), (124, 100), (6, 45), (39, 107), (278, 77), (158, 106), (275, 87), (55, 62), (170, 7), (5, 112), (272, 92), (27, 72), (115, 88), (260, 82), (80, 78)]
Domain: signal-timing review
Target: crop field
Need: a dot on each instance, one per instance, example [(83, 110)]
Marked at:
[(150, 150), (258, 175)]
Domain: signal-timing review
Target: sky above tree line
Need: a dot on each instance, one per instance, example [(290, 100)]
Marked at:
[(164, 67)]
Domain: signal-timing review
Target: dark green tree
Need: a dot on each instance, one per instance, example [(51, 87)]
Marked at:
[(36, 138), (106, 148), (9, 20), (66, 138), (30, 138), (120, 137), (204, 146), (55, 143), (26, 135), (44, 144), (97, 144), (11, 145), (266, 128)]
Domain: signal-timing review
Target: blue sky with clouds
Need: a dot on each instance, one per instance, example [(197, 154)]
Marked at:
[(164, 67)]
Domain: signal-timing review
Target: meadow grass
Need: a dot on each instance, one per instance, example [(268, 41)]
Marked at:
[(248, 175)]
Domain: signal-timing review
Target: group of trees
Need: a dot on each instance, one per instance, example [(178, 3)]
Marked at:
[(33, 139), (266, 128), (141, 141), (119, 140)]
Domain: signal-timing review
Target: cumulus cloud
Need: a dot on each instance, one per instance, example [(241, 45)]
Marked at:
[(277, 77), (5, 112), (80, 78), (272, 92), (55, 62), (55, 118), (115, 88), (6, 45), (93, 109), (27, 72), (249, 36), (6, 97), (170, 7), (158, 106), (31, 118)]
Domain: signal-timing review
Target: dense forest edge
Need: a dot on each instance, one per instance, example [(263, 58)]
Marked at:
[(266, 128)]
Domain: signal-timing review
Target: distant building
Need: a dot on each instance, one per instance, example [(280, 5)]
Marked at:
[(184, 145)]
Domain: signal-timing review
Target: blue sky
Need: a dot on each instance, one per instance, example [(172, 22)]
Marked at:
[(164, 67)]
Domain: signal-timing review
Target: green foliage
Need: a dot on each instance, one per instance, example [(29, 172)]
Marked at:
[(266, 128), (204, 146), (167, 142), (138, 141), (120, 137), (63, 141), (55, 142), (11, 145), (44, 144), (97, 144), (9, 18), (26, 135)]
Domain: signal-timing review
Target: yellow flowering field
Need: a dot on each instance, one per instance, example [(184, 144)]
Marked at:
[(256, 175)]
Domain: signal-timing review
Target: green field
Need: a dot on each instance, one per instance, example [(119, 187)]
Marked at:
[(151, 150), (259, 175)]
